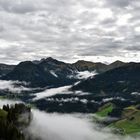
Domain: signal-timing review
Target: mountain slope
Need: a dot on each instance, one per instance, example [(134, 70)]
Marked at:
[(57, 68), (124, 79), (37, 75), (51, 72), (115, 64), (29, 72), (82, 65), (5, 69)]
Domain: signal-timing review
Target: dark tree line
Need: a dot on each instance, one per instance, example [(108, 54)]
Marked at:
[(9, 123)]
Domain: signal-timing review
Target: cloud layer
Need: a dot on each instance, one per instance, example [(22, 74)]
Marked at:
[(14, 86), (52, 91), (95, 30), (69, 126), (66, 126)]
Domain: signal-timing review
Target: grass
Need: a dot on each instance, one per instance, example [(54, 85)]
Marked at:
[(128, 127), (130, 121), (103, 111)]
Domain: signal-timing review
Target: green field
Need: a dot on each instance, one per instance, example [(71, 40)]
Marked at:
[(103, 111), (130, 122)]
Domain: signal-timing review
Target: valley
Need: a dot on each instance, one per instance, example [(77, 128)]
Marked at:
[(97, 94)]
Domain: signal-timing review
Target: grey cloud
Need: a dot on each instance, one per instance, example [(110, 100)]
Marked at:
[(119, 3), (67, 29), (18, 6)]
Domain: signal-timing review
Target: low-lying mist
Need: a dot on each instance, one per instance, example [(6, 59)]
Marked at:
[(85, 74), (69, 127), (14, 86), (52, 91), (54, 126), (5, 102)]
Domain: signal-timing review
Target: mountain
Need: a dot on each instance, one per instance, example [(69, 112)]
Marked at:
[(33, 74), (5, 69), (57, 68), (51, 72), (82, 65), (115, 64), (46, 72), (124, 79), (26, 71)]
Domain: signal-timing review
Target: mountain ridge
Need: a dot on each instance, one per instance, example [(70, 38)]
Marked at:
[(52, 72)]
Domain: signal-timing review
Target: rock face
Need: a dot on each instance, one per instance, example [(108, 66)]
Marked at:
[(51, 72), (125, 79)]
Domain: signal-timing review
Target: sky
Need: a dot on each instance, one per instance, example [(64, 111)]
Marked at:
[(69, 30)]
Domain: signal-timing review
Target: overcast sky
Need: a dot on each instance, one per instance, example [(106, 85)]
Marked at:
[(68, 30)]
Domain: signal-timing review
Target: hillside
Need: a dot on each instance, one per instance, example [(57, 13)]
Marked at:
[(5, 69), (37, 75), (124, 79), (10, 122), (127, 123)]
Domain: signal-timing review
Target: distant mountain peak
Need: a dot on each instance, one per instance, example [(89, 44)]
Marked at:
[(117, 62), (83, 61), (50, 59)]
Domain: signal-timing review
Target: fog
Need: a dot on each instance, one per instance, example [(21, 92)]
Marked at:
[(52, 91), (5, 102), (85, 74), (113, 98), (65, 89), (135, 93), (69, 127), (54, 126), (14, 86), (59, 90)]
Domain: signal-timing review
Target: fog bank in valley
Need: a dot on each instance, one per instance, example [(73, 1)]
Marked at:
[(54, 126), (14, 86), (69, 127), (5, 102), (52, 91)]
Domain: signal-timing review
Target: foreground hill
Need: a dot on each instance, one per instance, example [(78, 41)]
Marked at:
[(124, 79), (11, 124), (126, 120)]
